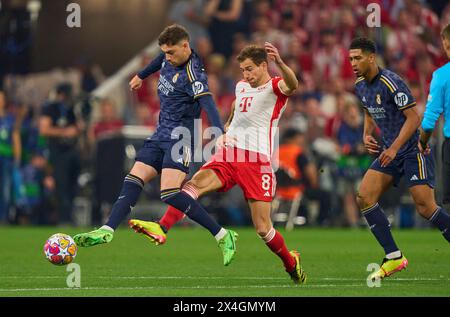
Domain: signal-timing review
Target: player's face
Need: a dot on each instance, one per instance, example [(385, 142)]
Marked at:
[(253, 73), (361, 61), (176, 54)]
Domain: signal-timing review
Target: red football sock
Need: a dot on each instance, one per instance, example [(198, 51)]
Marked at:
[(171, 217), (274, 240)]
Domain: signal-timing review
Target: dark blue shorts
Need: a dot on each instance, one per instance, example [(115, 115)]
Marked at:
[(165, 154), (418, 169)]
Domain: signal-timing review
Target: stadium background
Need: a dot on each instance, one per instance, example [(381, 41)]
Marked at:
[(38, 51)]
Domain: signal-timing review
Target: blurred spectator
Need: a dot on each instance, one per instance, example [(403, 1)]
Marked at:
[(190, 14), (297, 173), (353, 161), (59, 125), (400, 38), (11, 187), (331, 61), (109, 122), (91, 75), (39, 186), (224, 16), (289, 32)]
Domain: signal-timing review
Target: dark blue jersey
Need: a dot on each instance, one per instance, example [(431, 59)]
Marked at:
[(385, 98), (179, 88)]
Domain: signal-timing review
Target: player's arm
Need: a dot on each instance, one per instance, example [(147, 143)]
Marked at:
[(153, 67), (230, 117), (289, 83), (433, 110), (410, 126), (207, 103), (370, 143)]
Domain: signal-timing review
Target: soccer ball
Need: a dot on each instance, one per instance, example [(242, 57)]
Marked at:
[(60, 249)]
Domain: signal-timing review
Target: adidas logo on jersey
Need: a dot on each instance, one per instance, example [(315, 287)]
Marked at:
[(414, 178), (267, 194), (180, 160), (364, 99)]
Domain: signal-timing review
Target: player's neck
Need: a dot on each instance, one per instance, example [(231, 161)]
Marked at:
[(373, 72), (263, 80)]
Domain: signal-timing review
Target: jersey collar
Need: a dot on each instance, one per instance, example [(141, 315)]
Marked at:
[(187, 61), (377, 76)]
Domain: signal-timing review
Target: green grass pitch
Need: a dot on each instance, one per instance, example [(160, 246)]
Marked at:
[(190, 264)]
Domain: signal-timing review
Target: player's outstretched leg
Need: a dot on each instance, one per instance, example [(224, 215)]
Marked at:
[(131, 189), (157, 231)]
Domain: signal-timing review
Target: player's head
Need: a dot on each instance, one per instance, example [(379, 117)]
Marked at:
[(174, 42), (362, 55), (253, 64), (445, 34)]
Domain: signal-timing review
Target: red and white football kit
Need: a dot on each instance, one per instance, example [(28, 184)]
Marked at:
[(255, 122)]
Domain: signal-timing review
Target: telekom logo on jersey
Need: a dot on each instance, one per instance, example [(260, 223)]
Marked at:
[(245, 103)]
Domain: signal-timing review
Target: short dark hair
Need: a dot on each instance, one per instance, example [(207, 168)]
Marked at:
[(291, 133), (446, 32), (172, 35), (255, 53), (363, 43)]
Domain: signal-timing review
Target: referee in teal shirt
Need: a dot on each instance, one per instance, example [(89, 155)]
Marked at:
[(438, 103)]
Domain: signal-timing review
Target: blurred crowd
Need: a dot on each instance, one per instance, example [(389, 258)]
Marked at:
[(323, 123)]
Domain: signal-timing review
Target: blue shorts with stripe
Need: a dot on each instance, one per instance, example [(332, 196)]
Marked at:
[(417, 168), (165, 154)]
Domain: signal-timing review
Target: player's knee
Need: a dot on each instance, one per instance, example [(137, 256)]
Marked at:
[(263, 228), (424, 208), (363, 200)]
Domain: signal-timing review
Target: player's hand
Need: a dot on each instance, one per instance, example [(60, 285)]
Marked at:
[(135, 83), (424, 148), (225, 140), (387, 157), (272, 53), (371, 144)]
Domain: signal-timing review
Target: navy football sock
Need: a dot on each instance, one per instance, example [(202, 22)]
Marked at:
[(185, 203), (441, 219), (380, 227), (131, 189)]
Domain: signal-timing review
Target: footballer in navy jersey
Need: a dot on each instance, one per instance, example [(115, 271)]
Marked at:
[(389, 105), (385, 98), (183, 93), (179, 89)]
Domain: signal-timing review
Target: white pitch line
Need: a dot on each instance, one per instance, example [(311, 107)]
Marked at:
[(177, 287), (220, 278)]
